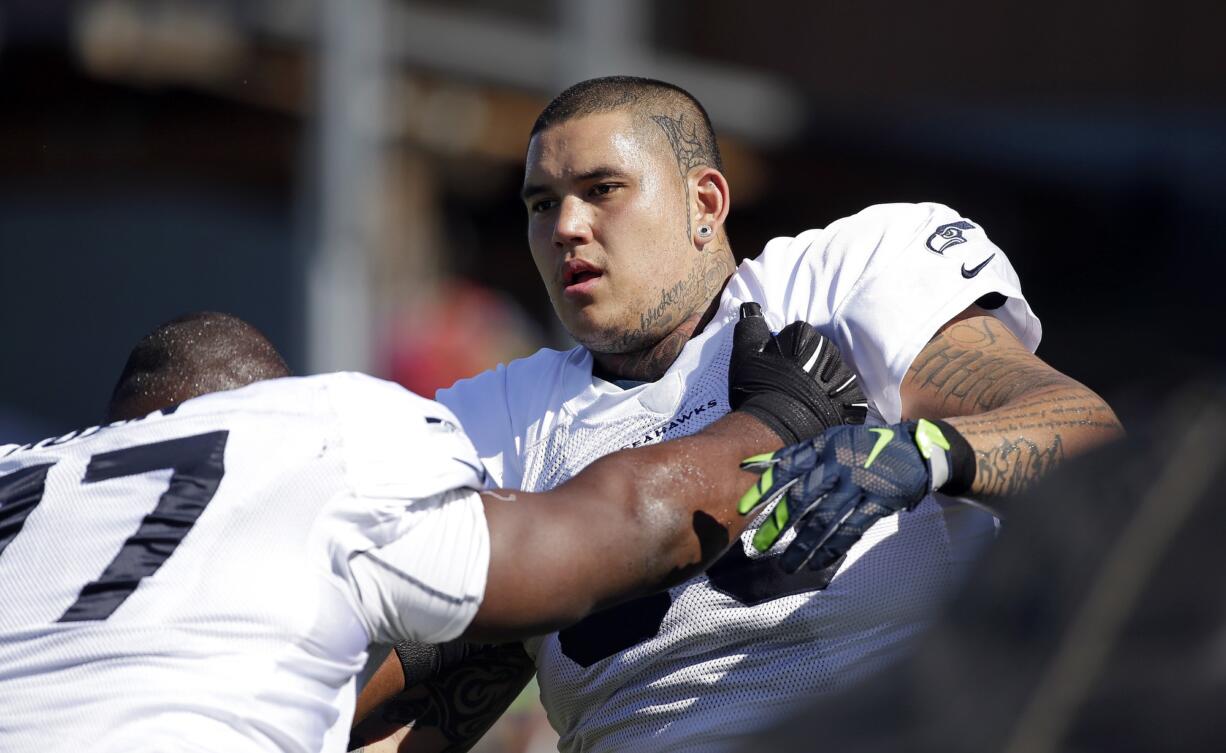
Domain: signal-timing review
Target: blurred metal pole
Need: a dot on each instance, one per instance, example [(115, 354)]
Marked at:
[(351, 81), (600, 38)]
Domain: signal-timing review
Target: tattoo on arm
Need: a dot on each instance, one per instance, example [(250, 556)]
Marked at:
[(456, 708), (963, 370), (1020, 416), (1013, 465)]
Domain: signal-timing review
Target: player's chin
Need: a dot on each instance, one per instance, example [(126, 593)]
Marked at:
[(594, 328)]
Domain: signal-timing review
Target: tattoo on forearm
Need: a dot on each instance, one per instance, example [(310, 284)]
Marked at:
[(1013, 465), (1018, 414), (464, 702), (1047, 414), (968, 378)]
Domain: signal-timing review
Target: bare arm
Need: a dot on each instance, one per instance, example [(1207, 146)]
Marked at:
[(631, 523), (1021, 417)]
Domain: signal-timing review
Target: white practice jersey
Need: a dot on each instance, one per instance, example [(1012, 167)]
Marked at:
[(715, 659), (208, 579)]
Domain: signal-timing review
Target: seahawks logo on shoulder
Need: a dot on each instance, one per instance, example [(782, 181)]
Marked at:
[(949, 234)]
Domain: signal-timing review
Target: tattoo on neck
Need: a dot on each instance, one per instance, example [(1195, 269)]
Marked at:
[(679, 302)]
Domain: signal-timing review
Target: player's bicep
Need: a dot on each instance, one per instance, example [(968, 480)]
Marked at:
[(974, 364), (553, 559)]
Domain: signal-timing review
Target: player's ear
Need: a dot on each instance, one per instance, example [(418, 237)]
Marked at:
[(711, 201)]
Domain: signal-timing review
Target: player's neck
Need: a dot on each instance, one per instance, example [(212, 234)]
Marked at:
[(649, 364)]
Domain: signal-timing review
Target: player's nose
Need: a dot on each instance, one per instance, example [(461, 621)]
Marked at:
[(573, 225)]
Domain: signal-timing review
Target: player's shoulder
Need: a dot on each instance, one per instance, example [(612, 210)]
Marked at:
[(843, 247), (362, 393), (524, 384), (868, 228), (396, 442)]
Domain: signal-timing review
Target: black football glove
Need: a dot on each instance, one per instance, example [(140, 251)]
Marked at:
[(835, 487), (795, 382)]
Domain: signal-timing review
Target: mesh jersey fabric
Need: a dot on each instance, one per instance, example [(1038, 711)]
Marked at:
[(325, 512), (715, 659)]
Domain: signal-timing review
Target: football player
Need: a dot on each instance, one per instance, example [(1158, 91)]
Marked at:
[(626, 206), (207, 576)]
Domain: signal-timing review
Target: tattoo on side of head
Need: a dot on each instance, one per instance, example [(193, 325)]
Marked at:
[(687, 148)]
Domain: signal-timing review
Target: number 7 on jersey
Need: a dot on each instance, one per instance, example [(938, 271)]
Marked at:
[(197, 467)]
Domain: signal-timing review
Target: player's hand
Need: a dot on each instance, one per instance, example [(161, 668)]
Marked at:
[(835, 487), (795, 382)]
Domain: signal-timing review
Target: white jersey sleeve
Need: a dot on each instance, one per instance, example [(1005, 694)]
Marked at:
[(882, 282), (417, 547)]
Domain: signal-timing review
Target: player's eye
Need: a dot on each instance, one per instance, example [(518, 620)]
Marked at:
[(541, 205), (604, 189)]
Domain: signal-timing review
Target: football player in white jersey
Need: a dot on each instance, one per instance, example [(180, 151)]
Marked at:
[(207, 576), (626, 208)]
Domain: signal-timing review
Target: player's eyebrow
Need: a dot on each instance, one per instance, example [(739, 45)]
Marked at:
[(597, 173)]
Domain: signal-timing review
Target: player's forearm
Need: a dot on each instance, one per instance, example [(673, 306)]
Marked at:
[(1019, 443), (1021, 417), (447, 713), (685, 495), (631, 523), (677, 504)]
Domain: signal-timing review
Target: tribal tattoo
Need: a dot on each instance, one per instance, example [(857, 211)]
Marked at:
[(456, 708)]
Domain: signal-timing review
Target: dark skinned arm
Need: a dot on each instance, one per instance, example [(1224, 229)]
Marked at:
[(673, 504), (630, 524), (1021, 417)]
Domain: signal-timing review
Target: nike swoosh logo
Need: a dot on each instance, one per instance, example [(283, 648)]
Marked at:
[(969, 273), (883, 438)]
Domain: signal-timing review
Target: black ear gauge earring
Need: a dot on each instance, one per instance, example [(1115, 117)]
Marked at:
[(704, 231)]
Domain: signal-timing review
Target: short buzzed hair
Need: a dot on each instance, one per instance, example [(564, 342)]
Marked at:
[(681, 116), (190, 356)]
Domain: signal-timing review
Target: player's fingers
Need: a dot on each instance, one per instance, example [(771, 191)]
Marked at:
[(752, 332), (766, 490), (780, 470), (759, 463), (833, 550), (812, 534), (815, 484), (868, 511), (802, 344)]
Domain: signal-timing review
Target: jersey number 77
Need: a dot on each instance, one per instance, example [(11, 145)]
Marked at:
[(197, 465)]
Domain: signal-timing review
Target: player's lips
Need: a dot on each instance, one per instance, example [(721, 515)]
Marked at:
[(579, 277)]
